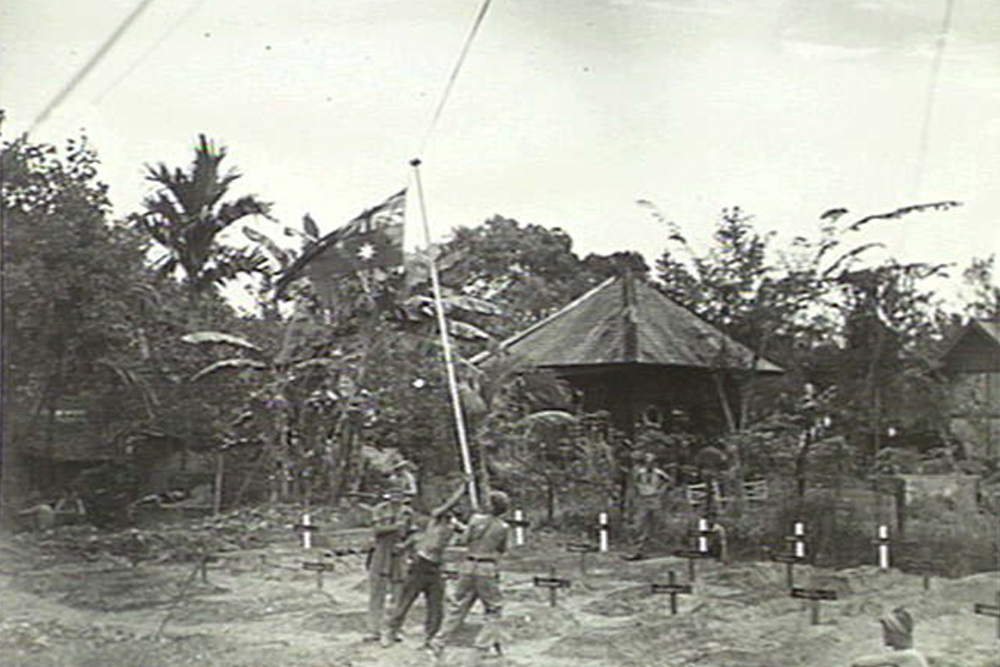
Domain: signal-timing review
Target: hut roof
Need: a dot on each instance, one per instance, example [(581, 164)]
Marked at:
[(974, 349), (626, 321)]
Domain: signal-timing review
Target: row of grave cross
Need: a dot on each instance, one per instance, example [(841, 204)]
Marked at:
[(797, 554)]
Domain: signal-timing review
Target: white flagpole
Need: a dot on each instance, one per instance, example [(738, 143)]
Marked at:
[(446, 344)]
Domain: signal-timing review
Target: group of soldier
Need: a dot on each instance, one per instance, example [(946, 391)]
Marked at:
[(409, 549), (401, 535)]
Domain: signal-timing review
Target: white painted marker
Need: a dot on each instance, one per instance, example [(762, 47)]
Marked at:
[(518, 528), (703, 535), (306, 533), (602, 520), (800, 545), (883, 547)]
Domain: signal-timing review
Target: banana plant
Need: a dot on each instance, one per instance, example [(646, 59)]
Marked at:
[(283, 390)]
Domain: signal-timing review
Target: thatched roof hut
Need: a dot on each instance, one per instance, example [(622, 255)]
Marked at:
[(629, 349)]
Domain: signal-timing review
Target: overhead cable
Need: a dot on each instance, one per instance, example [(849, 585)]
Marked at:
[(90, 64), (925, 129), (152, 47)]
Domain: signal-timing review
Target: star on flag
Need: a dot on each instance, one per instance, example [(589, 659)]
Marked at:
[(372, 240)]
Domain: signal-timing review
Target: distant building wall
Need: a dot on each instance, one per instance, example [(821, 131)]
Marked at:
[(961, 489), (974, 413)]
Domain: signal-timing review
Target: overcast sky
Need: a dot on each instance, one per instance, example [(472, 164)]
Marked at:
[(566, 112)]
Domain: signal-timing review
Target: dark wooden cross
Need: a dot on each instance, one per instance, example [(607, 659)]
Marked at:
[(552, 583), (305, 527), (673, 589), (814, 595), (790, 561), (916, 557), (348, 551), (989, 610), (692, 555), (319, 567), (582, 548), (203, 562)]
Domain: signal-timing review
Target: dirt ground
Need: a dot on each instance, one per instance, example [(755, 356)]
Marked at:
[(76, 598)]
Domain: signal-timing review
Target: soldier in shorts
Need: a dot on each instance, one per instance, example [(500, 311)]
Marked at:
[(649, 483), (391, 520), (479, 579), (424, 575)]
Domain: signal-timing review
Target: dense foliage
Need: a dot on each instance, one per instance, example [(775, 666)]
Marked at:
[(110, 360)]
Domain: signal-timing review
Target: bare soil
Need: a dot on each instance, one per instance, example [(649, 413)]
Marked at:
[(76, 598)]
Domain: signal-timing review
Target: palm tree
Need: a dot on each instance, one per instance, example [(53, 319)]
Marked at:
[(187, 212)]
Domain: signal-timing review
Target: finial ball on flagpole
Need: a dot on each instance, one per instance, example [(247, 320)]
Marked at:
[(415, 162)]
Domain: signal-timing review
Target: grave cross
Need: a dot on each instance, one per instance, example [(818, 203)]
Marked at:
[(519, 523), (881, 542), (692, 555), (552, 583), (989, 610), (348, 551), (790, 561), (204, 560), (798, 539), (916, 557), (319, 567), (582, 548), (814, 595), (306, 528), (673, 589)]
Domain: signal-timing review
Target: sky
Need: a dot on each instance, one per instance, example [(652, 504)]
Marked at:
[(564, 114)]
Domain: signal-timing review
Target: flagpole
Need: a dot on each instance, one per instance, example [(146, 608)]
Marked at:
[(446, 343)]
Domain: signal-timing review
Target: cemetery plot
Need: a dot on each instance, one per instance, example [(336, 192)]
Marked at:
[(261, 605)]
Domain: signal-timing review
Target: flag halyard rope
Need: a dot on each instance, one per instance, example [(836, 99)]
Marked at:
[(454, 73), (925, 128)]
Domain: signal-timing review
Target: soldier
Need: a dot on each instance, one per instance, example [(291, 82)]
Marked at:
[(391, 520), (897, 634), (649, 483), (424, 575), (401, 478), (479, 578)]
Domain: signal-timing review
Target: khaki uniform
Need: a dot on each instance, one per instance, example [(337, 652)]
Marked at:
[(479, 579), (387, 567), (649, 483), (425, 577)]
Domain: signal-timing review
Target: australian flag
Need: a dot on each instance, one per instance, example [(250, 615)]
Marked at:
[(372, 240)]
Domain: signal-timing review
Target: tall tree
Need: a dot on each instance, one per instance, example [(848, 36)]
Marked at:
[(526, 270), (187, 213), (981, 277), (72, 300), (830, 314)]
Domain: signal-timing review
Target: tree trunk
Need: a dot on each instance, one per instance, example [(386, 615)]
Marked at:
[(550, 500), (484, 475), (727, 409), (220, 461)]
